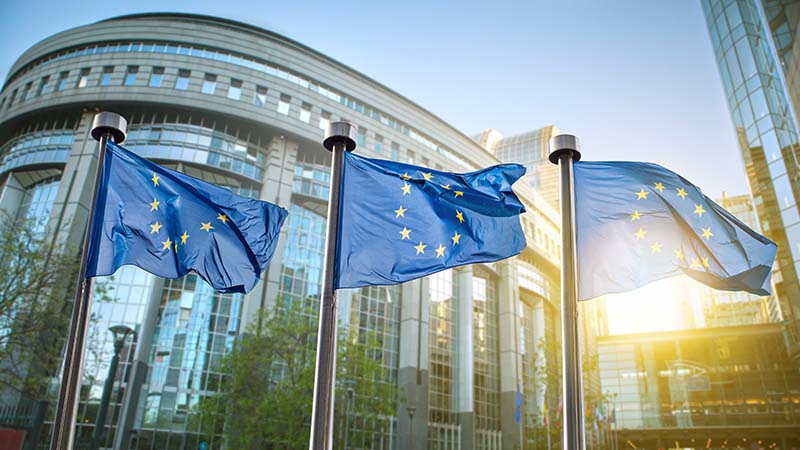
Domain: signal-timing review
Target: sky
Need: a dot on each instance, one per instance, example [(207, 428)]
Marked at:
[(633, 80)]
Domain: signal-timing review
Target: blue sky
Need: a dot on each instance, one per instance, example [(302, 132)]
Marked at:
[(633, 80)]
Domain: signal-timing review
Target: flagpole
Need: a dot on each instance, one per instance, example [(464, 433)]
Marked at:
[(106, 125), (564, 150), (339, 137)]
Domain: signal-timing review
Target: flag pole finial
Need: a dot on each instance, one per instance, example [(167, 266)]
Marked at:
[(106, 123), (340, 132), (564, 143)]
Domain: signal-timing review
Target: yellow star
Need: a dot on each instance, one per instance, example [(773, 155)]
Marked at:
[(456, 238), (155, 228), (696, 263), (428, 176), (176, 247), (698, 209), (704, 260), (446, 186), (635, 215), (679, 254), (184, 237), (420, 248), (154, 205), (206, 226), (707, 233), (460, 216), (167, 244), (440, 250), (642, 195), (223, 218), (404, 234), (659, 187), (682, 193), (406, 188), (640, 234), (155, 180), (458, 193), (405, 176), (400, 212), (656, 248)]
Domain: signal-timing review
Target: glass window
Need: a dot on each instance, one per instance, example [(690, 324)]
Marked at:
[(283, 104), (156, 76), (130, 75), (62, 80), (260, 97), (378, 144), (361, 136), (235, 90), (305, 112), (83, 78), (182, 82), (324, 120), (105, 77), (209, 84), (11, 99), (43, 85), (26, 91), (395, 151)]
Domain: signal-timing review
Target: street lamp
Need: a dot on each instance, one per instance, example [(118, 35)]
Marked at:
[(351, 392), (411, 410), (120, 333)]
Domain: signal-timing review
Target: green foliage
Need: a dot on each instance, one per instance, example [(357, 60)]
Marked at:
[(265, 400), (37, 285)]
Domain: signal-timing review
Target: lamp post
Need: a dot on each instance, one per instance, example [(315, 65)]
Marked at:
[(351, 392), (120, 333), (411, 410)]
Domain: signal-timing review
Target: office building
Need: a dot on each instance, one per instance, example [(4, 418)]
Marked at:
[(245, 108)]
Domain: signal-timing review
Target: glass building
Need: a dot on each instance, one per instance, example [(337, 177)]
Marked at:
[(716, 388), (756, 52), (245, 108)]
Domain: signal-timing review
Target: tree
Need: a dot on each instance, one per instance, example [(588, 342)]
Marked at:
[(265, 399), (37, 284)]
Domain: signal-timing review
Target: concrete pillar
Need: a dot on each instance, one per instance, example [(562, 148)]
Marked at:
[(75, 189), (276, 188), (412, 373), (465, 374), (11, 195), (510, 361)]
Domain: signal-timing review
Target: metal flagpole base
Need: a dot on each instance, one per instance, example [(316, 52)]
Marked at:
[(339, 137), (564, 150), (106, 125)]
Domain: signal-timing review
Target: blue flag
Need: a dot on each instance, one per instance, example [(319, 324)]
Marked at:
[(639, 222), (399, 222), (518, 409), (168, 224)]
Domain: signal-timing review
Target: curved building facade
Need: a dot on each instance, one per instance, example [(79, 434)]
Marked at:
[(245, 108)]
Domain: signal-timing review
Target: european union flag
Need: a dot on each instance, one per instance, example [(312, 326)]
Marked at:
[(399, 222), (639, 222), (168, 224)]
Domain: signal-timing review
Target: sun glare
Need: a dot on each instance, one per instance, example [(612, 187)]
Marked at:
[(664, 305)]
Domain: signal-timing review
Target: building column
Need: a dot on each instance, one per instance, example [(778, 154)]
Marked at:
[(276, 187), (75, 188), (465, 374), (510, 361), (412, 372), (11, 195)]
